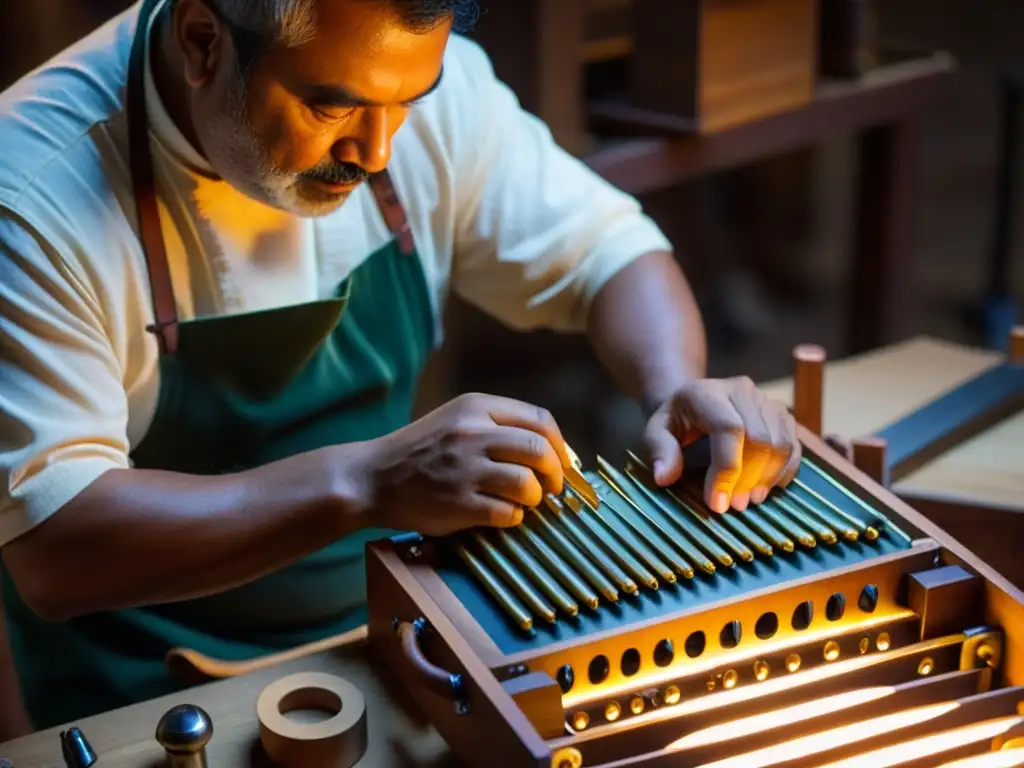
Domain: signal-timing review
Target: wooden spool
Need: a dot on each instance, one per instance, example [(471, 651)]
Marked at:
[(808, 385)]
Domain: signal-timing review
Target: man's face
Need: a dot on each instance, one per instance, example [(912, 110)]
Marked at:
[(308, 123)]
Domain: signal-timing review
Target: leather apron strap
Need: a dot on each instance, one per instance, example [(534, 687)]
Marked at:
[(140, 159)]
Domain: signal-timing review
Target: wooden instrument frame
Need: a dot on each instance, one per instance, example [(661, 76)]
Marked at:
[(495, 727)]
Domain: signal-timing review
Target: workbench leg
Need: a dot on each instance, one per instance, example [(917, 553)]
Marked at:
[(881, 295)]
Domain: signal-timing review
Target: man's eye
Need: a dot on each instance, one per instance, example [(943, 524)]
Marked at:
[(331, 114)]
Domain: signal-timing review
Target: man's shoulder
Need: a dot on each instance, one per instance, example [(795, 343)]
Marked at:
[(55, 121)]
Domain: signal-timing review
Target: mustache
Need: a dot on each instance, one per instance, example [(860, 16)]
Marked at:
[(339, 174)]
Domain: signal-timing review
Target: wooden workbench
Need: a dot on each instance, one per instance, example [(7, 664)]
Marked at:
[(976, 490), (125, 738)]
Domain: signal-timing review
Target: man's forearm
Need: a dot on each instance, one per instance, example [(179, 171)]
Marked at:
[(144, 537), (646, 329)]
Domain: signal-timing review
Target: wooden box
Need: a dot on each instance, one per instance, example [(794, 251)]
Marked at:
[(721, 63)]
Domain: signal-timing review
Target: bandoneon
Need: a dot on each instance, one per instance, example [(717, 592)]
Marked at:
[(830, 625)]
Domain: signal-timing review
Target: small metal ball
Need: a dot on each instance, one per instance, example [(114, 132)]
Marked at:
[(184, 728)]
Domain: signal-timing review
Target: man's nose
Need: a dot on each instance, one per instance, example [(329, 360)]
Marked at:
[(369, 145)]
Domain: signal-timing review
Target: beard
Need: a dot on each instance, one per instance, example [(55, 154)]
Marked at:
[(235, 151)]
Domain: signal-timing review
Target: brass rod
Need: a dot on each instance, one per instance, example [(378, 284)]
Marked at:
[(599, 551), (535, 571), (714, 522), (822, 514), (820, 530), (563, 572), (877, 517), (867, 531), (566, 549), (684, 521), (670, 540), (515, 579), (791, 527), (760, 523), (498, 591), (602, 527)]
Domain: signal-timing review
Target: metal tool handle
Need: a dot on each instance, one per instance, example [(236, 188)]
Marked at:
[(445, 684)]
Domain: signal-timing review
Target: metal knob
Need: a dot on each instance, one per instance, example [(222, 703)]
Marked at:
[(184, 732)]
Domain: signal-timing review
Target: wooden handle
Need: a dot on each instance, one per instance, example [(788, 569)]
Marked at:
[(194, 668), (439, 681)]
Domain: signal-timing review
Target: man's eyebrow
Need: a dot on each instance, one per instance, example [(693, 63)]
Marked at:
[(336, 96)]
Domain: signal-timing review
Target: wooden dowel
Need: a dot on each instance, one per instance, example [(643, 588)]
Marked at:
[(869, 458), (1017, 345), (808, 385)]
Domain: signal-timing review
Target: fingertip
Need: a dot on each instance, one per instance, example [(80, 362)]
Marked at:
[(740, 501), (719, 502), (759, 494)]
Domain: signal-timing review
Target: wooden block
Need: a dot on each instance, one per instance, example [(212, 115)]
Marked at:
[(949, 600), (722, 63), (540, 699), (808, 385), (869, 456), (1017, 345)]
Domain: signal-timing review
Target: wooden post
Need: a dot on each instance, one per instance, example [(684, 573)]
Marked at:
[(808, 385), (1017, 345), (869, 458)]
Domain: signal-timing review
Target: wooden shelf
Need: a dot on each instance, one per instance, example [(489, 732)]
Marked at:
[(670, 153)]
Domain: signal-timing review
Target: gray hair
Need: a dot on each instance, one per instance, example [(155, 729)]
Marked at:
[(289, 23)]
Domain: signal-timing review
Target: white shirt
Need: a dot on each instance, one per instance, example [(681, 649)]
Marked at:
[(500, 214)]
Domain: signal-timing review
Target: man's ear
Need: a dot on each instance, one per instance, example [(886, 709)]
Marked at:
[(203, 39)]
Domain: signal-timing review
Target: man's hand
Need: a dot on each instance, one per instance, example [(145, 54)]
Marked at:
[(475, 461), (754, 445)]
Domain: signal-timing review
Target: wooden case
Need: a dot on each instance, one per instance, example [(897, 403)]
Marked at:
[(721, 63), (915, 626)]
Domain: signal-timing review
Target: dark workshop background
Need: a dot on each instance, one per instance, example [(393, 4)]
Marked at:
[(766, 246)]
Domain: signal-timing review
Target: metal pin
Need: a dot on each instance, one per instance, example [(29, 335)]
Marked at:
[(876, 515), (670, 540), (760, 523), (536, 571), (498, 590), (535, 602), (566, 549), (684, 521), (823, 515), (565, 574), (821, 531), (570, 524), (575, 479), (868, 532), (690, 500), (791, 527), (610, 525)]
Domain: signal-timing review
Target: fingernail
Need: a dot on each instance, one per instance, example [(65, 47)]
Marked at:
[(759, 494), (720, 502), (740, 501), (659, 469), (517, 516)]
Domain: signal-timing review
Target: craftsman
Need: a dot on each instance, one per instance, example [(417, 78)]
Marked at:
[(211, 340)]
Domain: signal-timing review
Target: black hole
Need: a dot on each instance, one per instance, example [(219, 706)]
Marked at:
[(836, 607), (630, 662), (731, 634), (695, 644), (566, 678), (868, 599), (767, 626), (599, 669), (803, 615), (664, 652)]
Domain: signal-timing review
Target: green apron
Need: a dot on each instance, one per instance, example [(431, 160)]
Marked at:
[(237, 392)]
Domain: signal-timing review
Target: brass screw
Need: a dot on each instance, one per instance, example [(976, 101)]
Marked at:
[(793, 662), (730, 678), (636, 706), (711, 684), (580, 721), (567, 758), (672, 695), (761, 670), (864, 646), (883, 642), (612, 711), (831, 650), (926, 666)]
